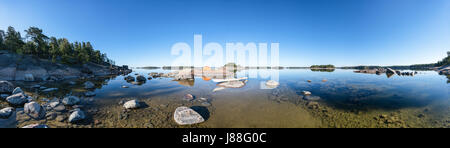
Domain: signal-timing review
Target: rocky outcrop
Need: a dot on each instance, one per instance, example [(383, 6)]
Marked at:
[(186, 116), (14, 67)]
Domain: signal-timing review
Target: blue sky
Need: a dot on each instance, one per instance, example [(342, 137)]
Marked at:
[(340, 32)]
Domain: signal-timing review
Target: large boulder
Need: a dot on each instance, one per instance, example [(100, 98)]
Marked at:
[(71, 100), (89, 85), (17, 99), (6, 112), (34, 110), (77, 115), (6, 87), (186, 116), (133, 104)]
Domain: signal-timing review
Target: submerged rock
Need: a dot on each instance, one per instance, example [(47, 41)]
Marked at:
[(133, 104), (140, 78), (311, 98), (89, 94), (17, 99), (272, 83), (89, 85), (6, 87), (34, 110), (71, 100), (17, 90), (125, 86), (218, 89), (6, 112), (36, 126), (49, 89), (186, 116), (232, 84), (129, 78), (76, 116)]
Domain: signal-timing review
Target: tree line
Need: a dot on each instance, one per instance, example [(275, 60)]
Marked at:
[(55, 49)]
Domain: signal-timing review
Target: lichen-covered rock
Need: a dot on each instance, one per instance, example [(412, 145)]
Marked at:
[(186, 116)]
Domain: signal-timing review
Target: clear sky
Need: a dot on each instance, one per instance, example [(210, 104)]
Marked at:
[(340, 32)]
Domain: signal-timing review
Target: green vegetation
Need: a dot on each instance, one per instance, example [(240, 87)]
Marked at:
[(445, 61), (322, 66), (58, 50)]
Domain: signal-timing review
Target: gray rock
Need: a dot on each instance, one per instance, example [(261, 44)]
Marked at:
[(72, 83), (6, 112), (17, 99), (50, 89), (51, 116), (34, 110), (36, 126), (133, 104), (76, 116), (59, 108), (140, 78), (61, 118), (186, 116), (36, 86), (188, 97), (129, 78), (206, 104), (54, 104), (3, 96), (89, 85), (232, 84), (71, 100), (6, 87), (89, 94), (17, 90)]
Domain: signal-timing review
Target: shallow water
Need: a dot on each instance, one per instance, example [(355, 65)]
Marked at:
[(346, 99)]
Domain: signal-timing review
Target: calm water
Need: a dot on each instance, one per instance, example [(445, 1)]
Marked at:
[(347, 99)]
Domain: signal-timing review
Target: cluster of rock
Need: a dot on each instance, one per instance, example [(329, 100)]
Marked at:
[(387, 71), (444, 70), (54, 109)]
